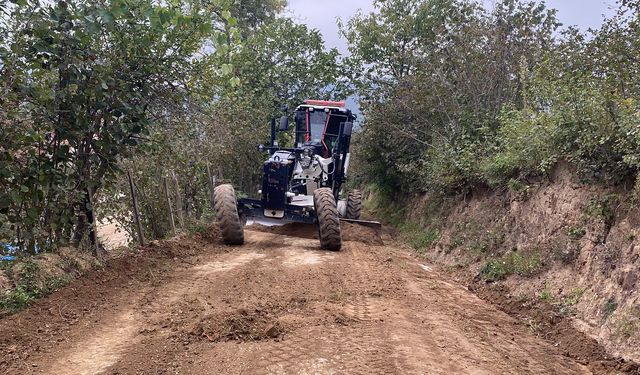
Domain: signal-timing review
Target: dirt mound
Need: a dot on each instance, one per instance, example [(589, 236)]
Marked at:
[(350, 232), (545, 322), (211, 234), (290, 229), (361, 233), (240, 325)]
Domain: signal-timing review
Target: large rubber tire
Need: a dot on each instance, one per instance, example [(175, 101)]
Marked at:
[(227, 216), (354, 205), (328, 219)]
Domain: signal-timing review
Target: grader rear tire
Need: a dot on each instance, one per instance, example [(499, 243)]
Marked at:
[(227, 215), (354, 205), (328, 219)]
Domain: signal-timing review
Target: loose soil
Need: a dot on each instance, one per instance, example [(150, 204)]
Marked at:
[(277, 305)]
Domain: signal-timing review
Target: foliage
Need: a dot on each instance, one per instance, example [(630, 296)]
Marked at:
[(92, 89), (577, 232), (83, 84), (28, 288), (488, 98)]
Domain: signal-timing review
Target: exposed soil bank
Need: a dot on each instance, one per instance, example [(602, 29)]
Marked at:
[(565, 249)]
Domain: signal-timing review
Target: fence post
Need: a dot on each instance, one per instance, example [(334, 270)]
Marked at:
[(178, 200), (212, 186), (93, 226), (136, 214), (168, 198)]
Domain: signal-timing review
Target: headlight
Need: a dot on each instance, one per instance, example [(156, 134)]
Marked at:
[(307, 152)]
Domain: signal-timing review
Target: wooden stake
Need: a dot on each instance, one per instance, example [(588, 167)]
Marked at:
[(93, 227), (136, 214), (212, 186), (168, 197), (178, 200)]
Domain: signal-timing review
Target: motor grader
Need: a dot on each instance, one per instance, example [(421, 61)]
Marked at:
[(301, 184)]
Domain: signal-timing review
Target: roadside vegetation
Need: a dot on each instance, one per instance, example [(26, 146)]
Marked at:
[(458, 97)]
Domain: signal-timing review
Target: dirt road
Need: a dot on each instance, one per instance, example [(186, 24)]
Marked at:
[(274, 306)]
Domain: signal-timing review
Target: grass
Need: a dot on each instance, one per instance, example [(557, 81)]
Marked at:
[(523, 263), (546, 294), (626, 328), (420, 231), (494, 270), (28, 288), (472, 236), (517, 186), (417, 237)]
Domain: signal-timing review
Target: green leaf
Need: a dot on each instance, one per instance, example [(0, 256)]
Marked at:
[(106, 16)]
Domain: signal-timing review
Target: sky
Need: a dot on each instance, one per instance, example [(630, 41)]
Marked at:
[(322, 14)]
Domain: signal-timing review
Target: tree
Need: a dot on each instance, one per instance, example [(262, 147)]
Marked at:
[(87, 80), (278, 63), (436, 77)]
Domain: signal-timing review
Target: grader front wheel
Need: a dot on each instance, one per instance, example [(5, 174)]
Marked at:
[(328, 219), (227, 215)]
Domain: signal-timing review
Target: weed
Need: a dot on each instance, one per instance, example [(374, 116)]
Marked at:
[(574, 296), (609, 307), (626, 328), (546, 294), (565, 306), (198, 227), (577, 232), (494, 270), (524, 264), (601, 208), (515, 262), (517, 186), (28, 288)]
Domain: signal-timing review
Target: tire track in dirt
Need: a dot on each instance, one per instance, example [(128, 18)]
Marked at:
[(104, 347)]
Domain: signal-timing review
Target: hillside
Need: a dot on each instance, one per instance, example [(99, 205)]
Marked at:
[(554, 248)]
